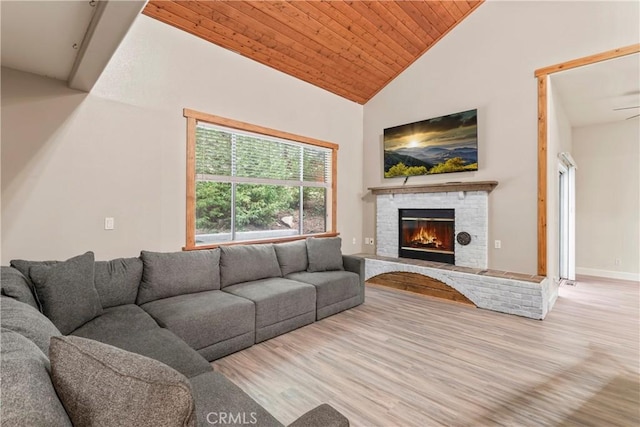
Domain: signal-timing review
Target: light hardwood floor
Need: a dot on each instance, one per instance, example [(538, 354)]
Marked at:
[(403, 359)]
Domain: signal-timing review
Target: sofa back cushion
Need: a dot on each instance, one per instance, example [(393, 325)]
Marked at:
[(324, 254), (27, 403), (66, 292), (117, 281), (244, 263), (292, 256), (16, 286), (28, 322), (167, 275), (102, 385)]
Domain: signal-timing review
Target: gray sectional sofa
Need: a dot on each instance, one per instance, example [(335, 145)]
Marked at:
[(182, 309)]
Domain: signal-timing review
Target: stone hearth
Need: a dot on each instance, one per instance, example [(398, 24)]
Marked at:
[(520, 294)]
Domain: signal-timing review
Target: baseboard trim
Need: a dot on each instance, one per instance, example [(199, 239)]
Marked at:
[(619, 275)]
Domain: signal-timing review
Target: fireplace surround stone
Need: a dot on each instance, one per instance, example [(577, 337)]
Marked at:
[(471, 216)]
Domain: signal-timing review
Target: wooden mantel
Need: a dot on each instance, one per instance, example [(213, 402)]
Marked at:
[(445, 187)]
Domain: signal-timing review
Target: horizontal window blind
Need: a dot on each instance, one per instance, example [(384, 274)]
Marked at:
[(228, 155)]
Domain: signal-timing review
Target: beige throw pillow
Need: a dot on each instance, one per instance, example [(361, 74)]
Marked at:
[(101, 385)]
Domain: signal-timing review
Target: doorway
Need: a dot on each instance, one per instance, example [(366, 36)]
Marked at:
[(542, 76)]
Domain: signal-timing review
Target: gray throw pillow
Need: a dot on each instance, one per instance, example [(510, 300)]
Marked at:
[(244, 263), (16, 286), (27, 394), (167, 275), (102, 385), (66, 292), (292, 256), (324, 254), (28, 322)]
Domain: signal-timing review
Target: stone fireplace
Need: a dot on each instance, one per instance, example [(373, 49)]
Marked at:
[(423, 211), (468, 201)]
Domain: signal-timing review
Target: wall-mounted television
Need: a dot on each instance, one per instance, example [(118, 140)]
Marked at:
[(440, 145)]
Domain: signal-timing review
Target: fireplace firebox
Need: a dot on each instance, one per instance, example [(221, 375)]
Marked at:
[(427, 234)]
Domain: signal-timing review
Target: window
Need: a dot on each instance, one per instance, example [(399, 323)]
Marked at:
[(249, 183)]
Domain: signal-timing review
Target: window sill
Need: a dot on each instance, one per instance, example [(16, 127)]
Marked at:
[(261, 241)]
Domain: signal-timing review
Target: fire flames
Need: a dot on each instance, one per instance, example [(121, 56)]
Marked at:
[(424, 237)]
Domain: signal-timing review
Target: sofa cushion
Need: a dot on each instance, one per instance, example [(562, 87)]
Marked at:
[(276, 299), (125, 389), (243, 263), (16, 286), (28, 322), (27, 395), (331, 286), (169, 274), (24, 267), (129, 327), (117, 281), (205, 318), (324, 254), (215, 397), (66, 291), (292, 256)]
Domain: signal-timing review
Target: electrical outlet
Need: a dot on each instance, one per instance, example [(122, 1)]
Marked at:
[(497, 244), (354, 241), (109, 223), (617, 262)]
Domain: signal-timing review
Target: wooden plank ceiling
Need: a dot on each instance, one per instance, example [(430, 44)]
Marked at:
[(350, 48)]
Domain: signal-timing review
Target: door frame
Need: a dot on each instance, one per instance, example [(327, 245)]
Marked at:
[(542, 75)]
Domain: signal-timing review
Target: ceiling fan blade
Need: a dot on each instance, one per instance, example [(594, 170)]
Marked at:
[(632, 117), (625, 108)]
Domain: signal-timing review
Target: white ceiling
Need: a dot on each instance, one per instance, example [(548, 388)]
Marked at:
[(66, 40), (590, 93), (38, 36)]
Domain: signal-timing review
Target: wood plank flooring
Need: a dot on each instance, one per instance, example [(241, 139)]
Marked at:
[(403, 359)]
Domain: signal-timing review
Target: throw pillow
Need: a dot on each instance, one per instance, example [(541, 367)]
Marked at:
[(28, 322), (292, 256), (102, 385), (16, 286), (66, 292), (324, 254)]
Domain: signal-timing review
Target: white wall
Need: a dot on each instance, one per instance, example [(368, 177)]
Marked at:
[(608, 199), (71, 159), (488, 62)]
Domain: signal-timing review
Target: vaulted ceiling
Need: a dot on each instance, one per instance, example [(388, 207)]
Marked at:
[(350, 48)]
